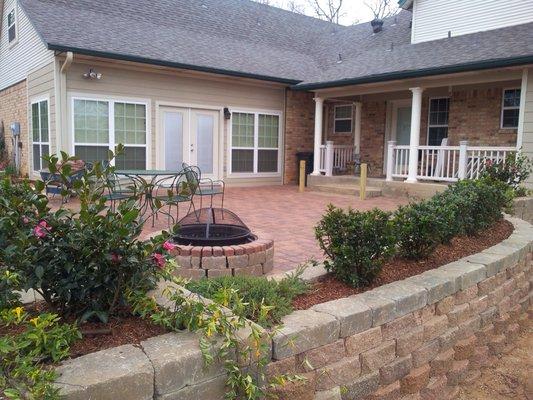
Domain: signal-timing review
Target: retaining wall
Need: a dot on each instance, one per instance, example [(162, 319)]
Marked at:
[(416, 338)]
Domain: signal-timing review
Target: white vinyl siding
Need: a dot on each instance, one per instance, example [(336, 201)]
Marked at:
[(433, 19), (23, 55)]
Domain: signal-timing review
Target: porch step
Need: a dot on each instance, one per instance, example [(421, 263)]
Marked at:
[(348, 189)]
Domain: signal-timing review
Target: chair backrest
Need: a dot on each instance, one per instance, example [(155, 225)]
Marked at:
[(192, 177)]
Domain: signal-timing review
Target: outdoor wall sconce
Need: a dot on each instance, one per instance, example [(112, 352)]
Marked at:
[(92, 74), (227, 113)]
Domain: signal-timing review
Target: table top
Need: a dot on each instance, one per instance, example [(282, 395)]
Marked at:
[(146, 172)]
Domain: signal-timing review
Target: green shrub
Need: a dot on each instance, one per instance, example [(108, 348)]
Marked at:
[(513, 171), (356, 243), (262, 300)]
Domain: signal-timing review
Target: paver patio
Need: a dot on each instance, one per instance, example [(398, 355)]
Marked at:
[(287, 216)]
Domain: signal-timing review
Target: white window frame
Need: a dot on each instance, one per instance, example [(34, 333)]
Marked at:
[(508, 108), (429, 116), (335, 119), (15, 23), (255, 148), (111, 100), (38, 100)]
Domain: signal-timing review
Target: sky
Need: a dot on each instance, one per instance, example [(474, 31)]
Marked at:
[(354, 10)]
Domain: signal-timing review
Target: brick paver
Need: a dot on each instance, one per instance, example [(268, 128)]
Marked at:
[(287, 216)]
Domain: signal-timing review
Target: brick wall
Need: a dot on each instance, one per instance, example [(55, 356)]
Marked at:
[(299, 130), (373, 121), (13, 108), (418, 338)]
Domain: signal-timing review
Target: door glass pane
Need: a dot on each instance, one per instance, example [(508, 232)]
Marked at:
[(132, 158), (91, 154), (242, 161), (173, 122), (242, 130), (267, 161), (204, 143), (403, 126), (268, 131)]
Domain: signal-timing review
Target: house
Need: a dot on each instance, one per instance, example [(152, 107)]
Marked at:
[(239, 88)]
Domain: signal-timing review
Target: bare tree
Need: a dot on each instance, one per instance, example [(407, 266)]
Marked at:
[(382, 8), (295, 7), (330, 10), (266, 2)]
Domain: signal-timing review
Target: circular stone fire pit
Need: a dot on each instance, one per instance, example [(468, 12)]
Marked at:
[(215, 242)]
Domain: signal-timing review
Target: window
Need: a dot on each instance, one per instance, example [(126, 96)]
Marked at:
[(438, 120), (510, 108), (11, 26), (255, 142), (40, 136), (100, 125), (343, 119)]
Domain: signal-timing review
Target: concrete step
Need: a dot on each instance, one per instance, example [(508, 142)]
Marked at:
[(352, 190), (342, 180)]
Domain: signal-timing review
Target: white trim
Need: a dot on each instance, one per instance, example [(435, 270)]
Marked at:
[(503, 108), (255, 174), (37, 100), (16, 23), (335, 119), (111, 100), (429, 116)]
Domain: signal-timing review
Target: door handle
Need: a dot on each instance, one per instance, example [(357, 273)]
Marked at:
[(192, 148)]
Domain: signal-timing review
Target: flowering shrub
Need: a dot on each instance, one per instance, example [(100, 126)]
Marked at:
[(513, 171), (81, 262)]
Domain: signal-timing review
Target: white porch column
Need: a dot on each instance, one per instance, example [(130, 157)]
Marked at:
[(357, 129), (319, 115), (414, 142), (522, 110)]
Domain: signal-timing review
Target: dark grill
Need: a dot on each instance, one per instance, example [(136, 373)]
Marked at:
[(212, 227)]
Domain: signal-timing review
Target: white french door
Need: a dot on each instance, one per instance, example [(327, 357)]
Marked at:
[(190, 135)]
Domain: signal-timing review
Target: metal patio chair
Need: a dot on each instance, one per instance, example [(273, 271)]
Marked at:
[(206, 186), (120, 188), (174, 190)]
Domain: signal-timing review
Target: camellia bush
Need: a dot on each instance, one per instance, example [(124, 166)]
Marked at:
[(513, 171)]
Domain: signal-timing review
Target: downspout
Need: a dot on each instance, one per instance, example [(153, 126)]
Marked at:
[(61, 106)]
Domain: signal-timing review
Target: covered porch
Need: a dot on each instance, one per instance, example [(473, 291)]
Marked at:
[(432, 129)]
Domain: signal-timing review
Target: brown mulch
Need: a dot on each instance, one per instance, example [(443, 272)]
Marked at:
[(127, 329), (329, 288)]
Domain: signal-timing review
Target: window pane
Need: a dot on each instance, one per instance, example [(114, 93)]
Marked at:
[(343, 126), (242, 130), (130, 123), (45, 152), (11, 33), (267, 161), (268, 130), (343, 112), (35, 122), (36, 157), (91, 153), (510, 118), (91, 121), (242, 161), (43, 105), (11, 18), (438, 111), (132, 158), (436, 134), (511, 98)]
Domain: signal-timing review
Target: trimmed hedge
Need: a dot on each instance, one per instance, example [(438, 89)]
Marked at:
[(358, 243)]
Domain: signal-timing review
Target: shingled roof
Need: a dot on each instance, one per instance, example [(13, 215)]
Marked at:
[(244, 38)]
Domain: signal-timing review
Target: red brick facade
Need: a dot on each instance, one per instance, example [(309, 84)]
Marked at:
[(13, 108), (299, 130)]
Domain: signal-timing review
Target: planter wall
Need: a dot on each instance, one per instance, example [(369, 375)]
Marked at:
[(421, 336), (523, 208)]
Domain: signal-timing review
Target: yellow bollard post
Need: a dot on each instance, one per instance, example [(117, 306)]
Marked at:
[(302, 176), (362, 182)]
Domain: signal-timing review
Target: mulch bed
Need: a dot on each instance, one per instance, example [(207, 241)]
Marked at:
[(328, 288), (96, 336)]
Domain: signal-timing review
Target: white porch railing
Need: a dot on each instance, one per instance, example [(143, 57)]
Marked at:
[(335, 157), (444, 163)]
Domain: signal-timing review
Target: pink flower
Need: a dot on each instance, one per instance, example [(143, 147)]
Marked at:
[(159, 259), (25, 220), (116, 258), (42, 229), (168, 246)]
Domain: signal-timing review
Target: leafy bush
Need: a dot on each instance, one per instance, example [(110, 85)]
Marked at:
[(256, 298), (513, 171), (356, 243), (81, 262), (41, 338)]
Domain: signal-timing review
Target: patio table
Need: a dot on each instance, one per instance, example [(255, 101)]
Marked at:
[(146, 182)]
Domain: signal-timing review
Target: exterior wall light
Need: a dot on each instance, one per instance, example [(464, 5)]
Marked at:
[(92, 74)]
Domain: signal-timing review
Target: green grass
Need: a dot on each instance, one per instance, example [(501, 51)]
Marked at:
[(259, 299)]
